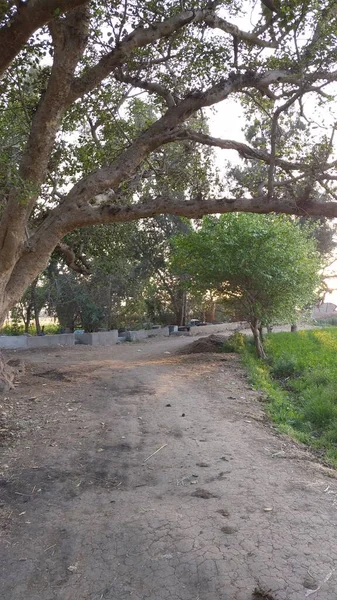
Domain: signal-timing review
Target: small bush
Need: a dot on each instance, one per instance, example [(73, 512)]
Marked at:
[(284, 367), (235, 343), (239, 341), (320, 407)]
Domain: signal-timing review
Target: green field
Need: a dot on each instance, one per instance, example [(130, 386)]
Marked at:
[(300, 381)]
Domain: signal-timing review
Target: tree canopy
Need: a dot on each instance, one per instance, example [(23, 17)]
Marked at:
[(265, 268), (93, 93)]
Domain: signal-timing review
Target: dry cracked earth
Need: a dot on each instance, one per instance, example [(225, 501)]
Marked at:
[(140, 472)]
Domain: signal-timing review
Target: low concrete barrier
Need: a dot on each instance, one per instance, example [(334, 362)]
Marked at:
[(48, 341), (105, 338), (143, 334), (13, 342), (160, 332), (98, 338), (23, 342), (134, 336)]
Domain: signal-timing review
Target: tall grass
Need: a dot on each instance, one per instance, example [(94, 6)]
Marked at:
[(300, 381), (50, 328)]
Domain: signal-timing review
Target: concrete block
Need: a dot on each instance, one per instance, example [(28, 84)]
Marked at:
[(48, 341), (160, 332), (139, 334), (13, 342), (98, 338)]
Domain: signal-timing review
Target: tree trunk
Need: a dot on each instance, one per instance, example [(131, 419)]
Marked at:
[(255, 327), (28, 317), (293, 328), (37, 321), (209, 314), (109, 310), (33, 304), (180, 307)]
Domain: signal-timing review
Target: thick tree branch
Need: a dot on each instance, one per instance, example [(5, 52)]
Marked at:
[(243, 150), (218, 23), (143, 37), (29, 17), (72, 260), (168, 129), (199, 207)]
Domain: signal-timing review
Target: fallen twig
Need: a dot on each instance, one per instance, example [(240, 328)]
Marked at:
[(153, 453)]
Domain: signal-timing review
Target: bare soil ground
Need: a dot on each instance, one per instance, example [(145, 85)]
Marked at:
[(224, 509)]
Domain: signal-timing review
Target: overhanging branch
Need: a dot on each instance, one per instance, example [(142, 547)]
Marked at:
[(29, 17), (243, 150), (142, 37)]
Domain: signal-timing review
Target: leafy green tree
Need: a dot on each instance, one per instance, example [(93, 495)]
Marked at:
[(265, 268), (80, 147)]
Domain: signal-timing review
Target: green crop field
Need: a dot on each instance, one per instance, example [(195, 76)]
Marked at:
[(300, 381)]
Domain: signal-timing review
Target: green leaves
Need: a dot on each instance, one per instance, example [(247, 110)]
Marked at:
[(262, 267)]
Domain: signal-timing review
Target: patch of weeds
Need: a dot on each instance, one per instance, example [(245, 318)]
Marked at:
[(239, 341), (284, 367), (235, 343), (320, 408), (300, 381)]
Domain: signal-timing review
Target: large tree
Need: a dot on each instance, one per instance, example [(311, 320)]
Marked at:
[(264, 268), (74, 149)]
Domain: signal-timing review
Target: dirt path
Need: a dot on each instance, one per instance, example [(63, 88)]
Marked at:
[(224, 507)]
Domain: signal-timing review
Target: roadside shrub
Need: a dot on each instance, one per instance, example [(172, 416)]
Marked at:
[(285, 366), (320, 407), (235, 343)]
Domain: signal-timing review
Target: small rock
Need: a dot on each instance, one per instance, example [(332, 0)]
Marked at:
[(228, 529), (167, 405), (183, 415), (73, 568)]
